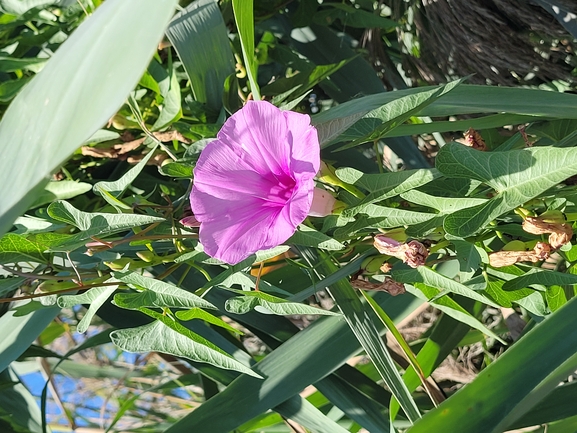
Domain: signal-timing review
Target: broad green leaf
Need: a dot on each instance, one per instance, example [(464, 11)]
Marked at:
[(95, 224), (429, 277), (377, 123), (253, 300), (504, 298), (61, 190), (516, 175), (167, 336), (382, 186), (540, 276), (442, 204), (511, 386), (44, 124), (310, 237), (243, 16), (16, 248), (470, 258), (383, 217), (157, 294), (326, 344), (199, 35), (95, 297)]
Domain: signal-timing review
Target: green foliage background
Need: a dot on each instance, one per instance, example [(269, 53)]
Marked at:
[(103, 119)]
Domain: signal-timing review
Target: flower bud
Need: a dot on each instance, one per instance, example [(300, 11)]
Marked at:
[(560, 233), (412, 253), (323, 203)]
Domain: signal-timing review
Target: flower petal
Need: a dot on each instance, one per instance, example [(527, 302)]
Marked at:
[(305, 148), (241, 230), (259, 130), (221, 172)]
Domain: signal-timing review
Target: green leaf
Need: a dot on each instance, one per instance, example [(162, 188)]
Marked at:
[(170, 110), (377, 123), (157, 294), (16, 248), (300, 83), (464, 99), (444, 205), (449, 306), (275, 305), (383, 217), (199, 35), (20, 332), (11, 64), (382, 186), (95, 297), (326, 344), (176, 169), (479, 124), (167, 336), (427, 276), (310, 237), (61, 190), (243, 15), (362, 321), (19, 411), (540, 276), (197, 313), (516, 175), (111, 191), (95, 224), (8, 284), (44, 125), (351, 17), (9, 89), (510, 387)]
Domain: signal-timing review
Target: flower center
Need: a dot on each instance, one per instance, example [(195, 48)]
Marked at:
[(281, 190)]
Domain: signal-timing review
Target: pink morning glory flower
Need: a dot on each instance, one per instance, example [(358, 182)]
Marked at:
[(254, 184)]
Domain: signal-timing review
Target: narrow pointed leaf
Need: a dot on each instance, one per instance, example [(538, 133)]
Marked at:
[(90, 70), (199, 35)]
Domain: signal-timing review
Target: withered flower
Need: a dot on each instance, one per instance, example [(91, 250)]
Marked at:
[(386, 268), (473, 139), (560, 233), (412, 253), (389, 285), (508, 258)]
